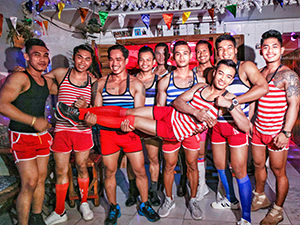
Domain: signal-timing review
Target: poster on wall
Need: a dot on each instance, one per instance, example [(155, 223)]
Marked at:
[(140, 32)]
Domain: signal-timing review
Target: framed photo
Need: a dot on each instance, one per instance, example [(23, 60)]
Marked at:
[(139, 31)]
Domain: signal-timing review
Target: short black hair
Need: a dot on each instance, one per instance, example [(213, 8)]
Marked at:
[(34, 42), (180, 42), (167, 53), (206, 43), (271, 34), (224, 37), (124, 50), (85, 47), (227, 62), (146, 49)]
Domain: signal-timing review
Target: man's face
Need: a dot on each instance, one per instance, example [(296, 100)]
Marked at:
[(223, 76), (82, 60), (202, 53), (182, 55), (160, 55), (146, 61), (117, 61), (271, 50), (226, 50), (37, 58)]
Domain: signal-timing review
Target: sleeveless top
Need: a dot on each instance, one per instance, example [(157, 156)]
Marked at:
[(173, 91), (31, 102), (68, 93), (195, 71), (150, 94), (124, 100), (237, 87), (271, 109), (184, 125)]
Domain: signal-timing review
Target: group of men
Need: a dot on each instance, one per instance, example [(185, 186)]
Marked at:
[(175, 105)]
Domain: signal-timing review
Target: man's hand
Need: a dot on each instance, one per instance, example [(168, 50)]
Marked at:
[(203, 116), (18, 69), (41, 124), (81, 103), (221, 101), (126, 127), (90, 119), (281, 140)]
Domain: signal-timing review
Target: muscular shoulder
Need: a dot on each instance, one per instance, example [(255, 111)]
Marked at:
[(247, 67), (135, 82), (100, 83), (288, 79), (57, 74), (164, 81), (19, 78)]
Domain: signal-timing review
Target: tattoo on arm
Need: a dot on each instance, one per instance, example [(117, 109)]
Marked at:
[(289, 80)]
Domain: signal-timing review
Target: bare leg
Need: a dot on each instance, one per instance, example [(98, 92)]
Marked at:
[(171, 161), (239, 157), (192, 170), (219, 156), (81, 163), (61, 167), (152, 147), (259, 158)]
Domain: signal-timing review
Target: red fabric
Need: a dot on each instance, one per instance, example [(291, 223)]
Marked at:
[(61, 193), (83, 184), (103, 111), (113, 121)]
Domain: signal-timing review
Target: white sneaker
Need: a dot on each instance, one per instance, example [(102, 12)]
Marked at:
[(195, 209), (225, 204), (202, 190), (55, 218), (166, 208), (86, 212), (243, 222)]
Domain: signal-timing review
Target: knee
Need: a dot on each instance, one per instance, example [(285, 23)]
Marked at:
[(278, 172), (192, 166), (154, 161), (140, 172), (61, 171), (259, 165), (30, 183), (169, 167), (109, 173), (81, 167)]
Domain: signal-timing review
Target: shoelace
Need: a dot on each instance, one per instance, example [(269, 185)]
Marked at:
[(149, 209), (112, 214), (167, 204), (274, 212)]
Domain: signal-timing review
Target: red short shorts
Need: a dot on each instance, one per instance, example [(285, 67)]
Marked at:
[(191, 143), (66, 141), (164, 129), (203, 135), (112, 141), (259, 139), (28, 146), (229, 132)]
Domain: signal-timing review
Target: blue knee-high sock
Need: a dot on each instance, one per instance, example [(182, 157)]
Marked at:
[(230, 184), (224, 182), (245, 191)]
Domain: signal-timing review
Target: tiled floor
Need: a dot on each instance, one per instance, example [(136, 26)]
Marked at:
[(181, 215)]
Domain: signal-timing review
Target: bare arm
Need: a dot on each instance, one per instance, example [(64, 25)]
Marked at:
[(54, 78), (161, 97), (259, 84), (138, 92)]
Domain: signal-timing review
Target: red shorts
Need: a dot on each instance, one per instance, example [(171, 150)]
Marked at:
[(164, 129), (203, 135), (259, 139), (66, 141), (112, 141), (28, 146), (191, 143), (229, 132)]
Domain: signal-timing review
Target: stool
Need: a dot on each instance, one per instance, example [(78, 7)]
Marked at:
[(93, 162)]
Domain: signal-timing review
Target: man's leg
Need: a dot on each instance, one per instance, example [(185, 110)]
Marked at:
[(133, 190), (170, 163), (28, 171), (192, 170)]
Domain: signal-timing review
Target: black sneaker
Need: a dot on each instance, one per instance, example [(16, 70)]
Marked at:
[(113, 215), (36, 219), (153, 198), (131, 200), (146, 210), (181, 190), (68, 113)]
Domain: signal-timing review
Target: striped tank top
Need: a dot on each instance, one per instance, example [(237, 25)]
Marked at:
[(68, 93), (237, 87), (124, 100), (173, 91), (271, 110), (184, 125), (150, 94)]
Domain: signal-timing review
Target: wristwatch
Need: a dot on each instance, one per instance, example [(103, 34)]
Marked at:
[(288, 134), (234, 103)]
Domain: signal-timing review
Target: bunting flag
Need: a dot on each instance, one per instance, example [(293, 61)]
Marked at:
[(280, 2), (60, 7), (1, 23), (232, 9), (41, 3), (211, 12), (121, 19), (168, 19), (185, 16), (83, 13), (146, 19), (41, 25), (45, 22), (13, 21), (102, 16)]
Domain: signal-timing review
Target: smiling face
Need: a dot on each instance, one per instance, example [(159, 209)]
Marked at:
[(82, 60), (223, 76), (117, 61), (146, 61), (226, 50), (202, 53), (37, 58), (271, 50), (182, 55), (160, 55)]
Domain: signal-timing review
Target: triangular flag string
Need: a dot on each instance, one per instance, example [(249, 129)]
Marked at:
[(168, 19), (41, 3), (13, 20), (102, 16), (45, 22), (185, 16), (146, 19), (41, 25), (232, 9), (83, 13), (60, 6), (211, 13), (121, 19)]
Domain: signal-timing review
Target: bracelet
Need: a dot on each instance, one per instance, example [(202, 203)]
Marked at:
[(33, 121)]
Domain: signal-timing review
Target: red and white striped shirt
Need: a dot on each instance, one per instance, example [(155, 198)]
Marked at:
[(184, 125), (68, 93), (271, 111)]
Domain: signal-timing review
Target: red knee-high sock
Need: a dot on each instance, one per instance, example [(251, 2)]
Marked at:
[(114, 121), (103, 111), (61, 192), (83, 184)]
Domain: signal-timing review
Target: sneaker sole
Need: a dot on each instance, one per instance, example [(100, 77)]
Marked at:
[(61, 220), (262, 207), (151, 220), (64, 117), (119, 215), (165, 215)]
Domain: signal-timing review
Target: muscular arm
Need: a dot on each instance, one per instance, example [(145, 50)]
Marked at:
[(139, 93), (54, 78), (161, 97), (259, 84)]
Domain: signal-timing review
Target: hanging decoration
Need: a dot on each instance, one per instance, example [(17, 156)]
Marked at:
[(185, 16), (211, 13), (41, 3), (60, 7), (83, 13), (121, 19), (232, 9), (13, 21), (168, 17), (102, 16), (1, 23), (280, 2), (258, 5), (146, 19), (40, 23), (45, 22)]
